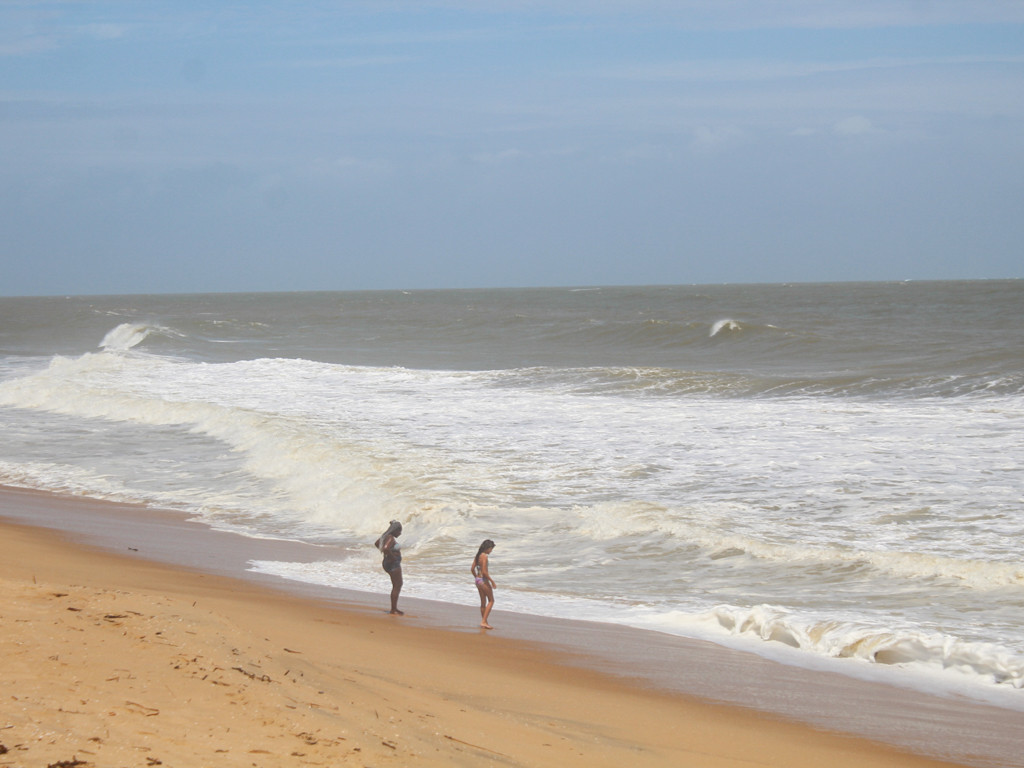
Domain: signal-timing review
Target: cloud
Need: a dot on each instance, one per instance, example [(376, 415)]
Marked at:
[(738, 70), (32, 38), (28, 45), (105, 31), (707, 139), (759, 14), (349, 62), (501, 156), (853, 126)]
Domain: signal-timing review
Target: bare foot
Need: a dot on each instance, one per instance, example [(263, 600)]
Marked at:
[(484, 625), (397, 612)]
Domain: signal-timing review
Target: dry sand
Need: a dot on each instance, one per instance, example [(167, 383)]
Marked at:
[(107, 660)]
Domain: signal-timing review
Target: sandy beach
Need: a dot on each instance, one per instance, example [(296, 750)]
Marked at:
[(113, 660)]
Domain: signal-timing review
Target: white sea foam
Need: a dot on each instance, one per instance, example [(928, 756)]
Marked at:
[(65, 479), (318, 473)]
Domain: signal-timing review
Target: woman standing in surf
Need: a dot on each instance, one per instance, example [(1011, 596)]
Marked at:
[(484, 583), (392, 563)]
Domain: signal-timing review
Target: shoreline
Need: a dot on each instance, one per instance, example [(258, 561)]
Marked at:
[(763, 706)]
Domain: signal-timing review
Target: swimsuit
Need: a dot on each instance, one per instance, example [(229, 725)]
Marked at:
[(392, 558)]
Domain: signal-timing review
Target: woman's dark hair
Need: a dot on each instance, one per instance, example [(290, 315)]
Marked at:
[(394, 529), (488, 544)]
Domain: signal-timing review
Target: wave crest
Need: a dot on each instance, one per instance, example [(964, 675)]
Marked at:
[(724, 325), (125, 337), (842, 639)]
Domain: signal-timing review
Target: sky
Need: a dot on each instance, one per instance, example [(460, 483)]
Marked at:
[(182, 147)]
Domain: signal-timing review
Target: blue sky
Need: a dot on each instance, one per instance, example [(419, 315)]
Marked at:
[(257, 146)]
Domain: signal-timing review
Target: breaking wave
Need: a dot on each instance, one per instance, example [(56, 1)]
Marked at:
[(848, 639)]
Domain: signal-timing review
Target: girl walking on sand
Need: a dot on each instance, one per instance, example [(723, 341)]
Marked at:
[(484, 583)]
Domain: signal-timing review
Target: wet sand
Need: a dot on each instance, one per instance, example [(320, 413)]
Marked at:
[(131, 637)]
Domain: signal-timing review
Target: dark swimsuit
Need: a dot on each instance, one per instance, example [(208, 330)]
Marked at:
[(392, 559)]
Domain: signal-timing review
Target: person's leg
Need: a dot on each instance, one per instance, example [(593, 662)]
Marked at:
[(396, 589), (483, 600), (487, 602)]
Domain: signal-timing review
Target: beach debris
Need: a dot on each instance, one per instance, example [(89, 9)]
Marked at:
[(474, 746), (74, 761), (142, 709), (253, 675)]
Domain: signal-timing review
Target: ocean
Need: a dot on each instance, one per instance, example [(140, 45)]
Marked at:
[(831, 475)]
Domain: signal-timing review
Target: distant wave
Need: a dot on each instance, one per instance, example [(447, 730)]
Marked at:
[(669, 382), (718, 380), (724, 325), (660, 334), (129, 335)]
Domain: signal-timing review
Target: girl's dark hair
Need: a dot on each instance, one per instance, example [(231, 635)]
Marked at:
[(486, 545)]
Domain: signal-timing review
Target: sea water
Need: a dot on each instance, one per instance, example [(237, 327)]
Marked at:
[(827, 474)]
